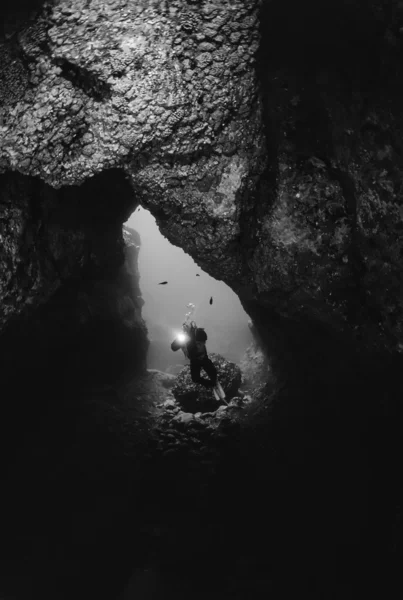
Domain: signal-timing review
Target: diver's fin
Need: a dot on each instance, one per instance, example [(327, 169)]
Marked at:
[(220, 391)]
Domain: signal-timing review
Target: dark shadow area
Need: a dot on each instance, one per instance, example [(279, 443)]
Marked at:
[(192, 404), (315, 58), (302, 497), (306, 485), (329, 445), (84, 80), (60, 461), (337, 36), (17, 14)]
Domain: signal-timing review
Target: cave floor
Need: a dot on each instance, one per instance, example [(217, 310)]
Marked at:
[(124, 466), (113, 493)]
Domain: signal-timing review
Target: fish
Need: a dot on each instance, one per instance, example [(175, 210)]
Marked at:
[(197, 275), (211, 300), (162, 283)]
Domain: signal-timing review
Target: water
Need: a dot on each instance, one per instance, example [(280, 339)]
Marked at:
[(166, 306)]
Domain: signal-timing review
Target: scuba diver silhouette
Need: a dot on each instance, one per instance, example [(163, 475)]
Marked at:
[(193, 343)]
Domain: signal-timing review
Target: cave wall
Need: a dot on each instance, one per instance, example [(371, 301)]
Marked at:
[(264, 136), (332, 249), (71, 302), (166, 91)]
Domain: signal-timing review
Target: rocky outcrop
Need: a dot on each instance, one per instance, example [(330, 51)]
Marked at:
[(330, 242), (306, 227), (111, 318), (278, 169), (193, 397), (52, 236), (254, 366), (68, 280), (166, 91)]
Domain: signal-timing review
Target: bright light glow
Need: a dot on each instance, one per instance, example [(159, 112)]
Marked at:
[(182, 337)]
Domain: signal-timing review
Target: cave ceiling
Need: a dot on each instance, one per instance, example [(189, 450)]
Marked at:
[(267, 147)]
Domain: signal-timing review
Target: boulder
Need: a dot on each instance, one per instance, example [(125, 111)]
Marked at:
[(183, 419), (195, 398), (169, 404)]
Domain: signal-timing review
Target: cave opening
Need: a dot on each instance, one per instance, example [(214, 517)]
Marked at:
[(105, 450), (111, 489), (173, 285)]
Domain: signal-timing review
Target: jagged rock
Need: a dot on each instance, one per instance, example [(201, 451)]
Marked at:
[(113, 91), (183, 418), (47, 243), (237, 401), (169, 404), (207, 415), (101, 67), (198, 425), (254, 366), (196, 398), (305, 225)]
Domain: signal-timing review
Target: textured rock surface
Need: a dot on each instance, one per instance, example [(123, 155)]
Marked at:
[(166, 91), (255, 367), (306, 225), (111, 484), (69, 282), (50, 236), (331, 241)]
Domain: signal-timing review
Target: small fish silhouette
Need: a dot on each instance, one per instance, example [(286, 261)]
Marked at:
[(162, 283), (211, 300), (197, 275)]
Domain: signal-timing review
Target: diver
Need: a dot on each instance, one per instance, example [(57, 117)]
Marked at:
[(193, 343)]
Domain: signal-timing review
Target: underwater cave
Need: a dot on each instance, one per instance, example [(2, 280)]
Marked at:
[(172, 285), (237, 163)]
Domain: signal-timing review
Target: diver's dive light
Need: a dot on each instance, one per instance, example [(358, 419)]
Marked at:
[(182, 337)]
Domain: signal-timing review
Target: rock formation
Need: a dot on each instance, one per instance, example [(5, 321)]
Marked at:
[(68, 278), (277, 168), (254, 366), (266, 139), (165, 92)]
